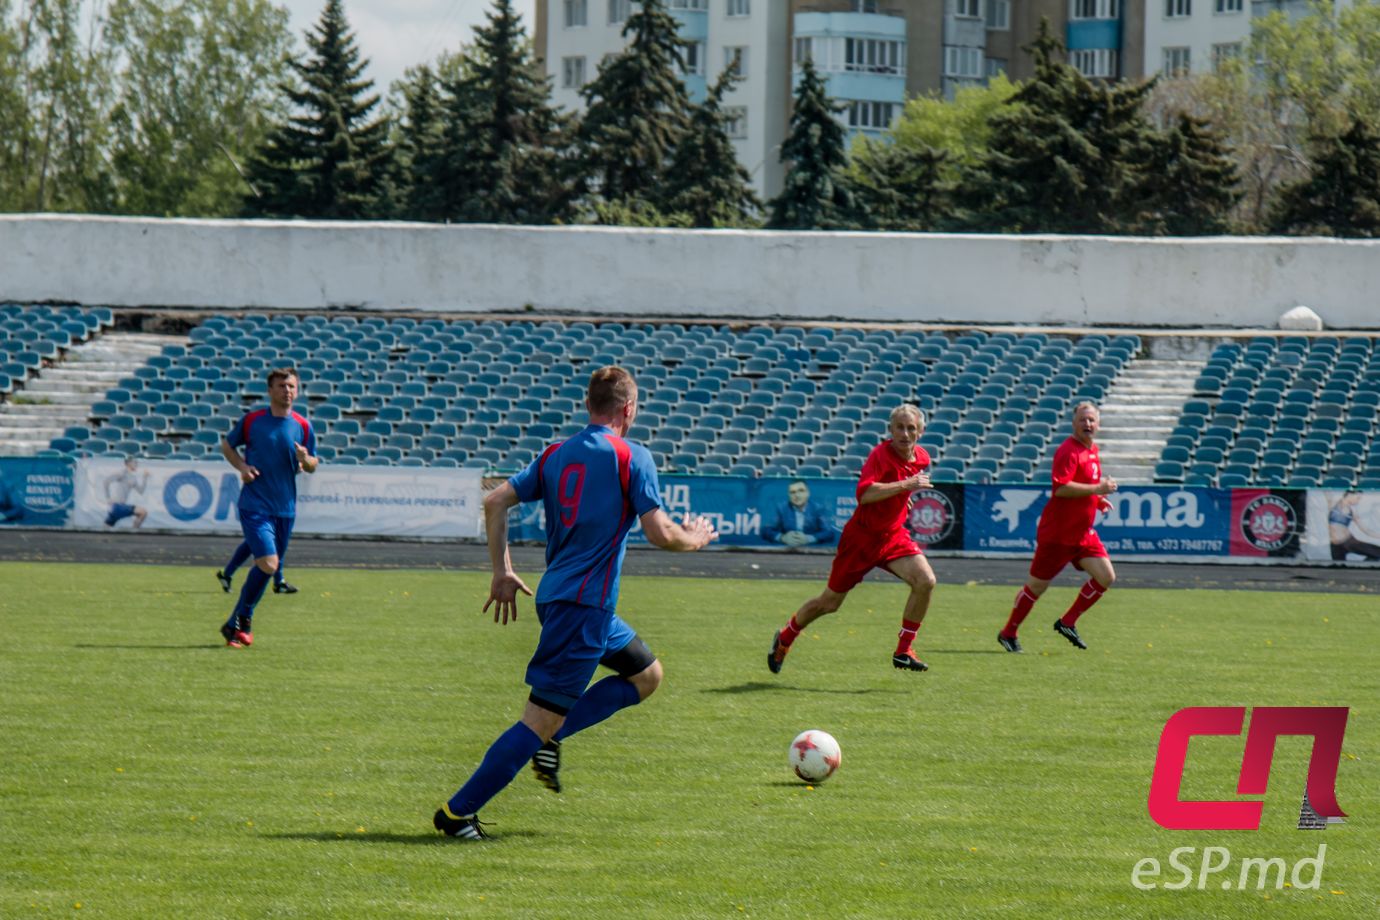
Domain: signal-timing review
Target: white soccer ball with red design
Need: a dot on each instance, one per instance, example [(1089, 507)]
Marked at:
[(814, 755)]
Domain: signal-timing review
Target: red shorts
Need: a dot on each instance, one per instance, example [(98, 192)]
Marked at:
[(856, 558), (1050, 558)]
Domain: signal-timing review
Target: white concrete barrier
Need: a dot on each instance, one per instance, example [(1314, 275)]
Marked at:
[(1236, 282)]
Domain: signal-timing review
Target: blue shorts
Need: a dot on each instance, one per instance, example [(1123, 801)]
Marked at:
[(118, 512), (266, 534), (574, 639)]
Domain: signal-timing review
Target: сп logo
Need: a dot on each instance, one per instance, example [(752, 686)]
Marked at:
[(1326, 725)]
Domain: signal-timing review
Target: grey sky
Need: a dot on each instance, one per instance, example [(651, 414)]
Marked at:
[(397, 34)]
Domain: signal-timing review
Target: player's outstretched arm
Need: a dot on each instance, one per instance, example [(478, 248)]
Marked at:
[(661, 531), (505, 585)]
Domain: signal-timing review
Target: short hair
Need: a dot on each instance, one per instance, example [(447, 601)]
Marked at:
[(610, 388), (907, 409), (797, 482), (1085, 404), (280, 373)]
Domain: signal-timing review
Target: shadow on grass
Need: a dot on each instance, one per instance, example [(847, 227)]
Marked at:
[(758, 686), (965, 651), (429, 838), (205, 648)]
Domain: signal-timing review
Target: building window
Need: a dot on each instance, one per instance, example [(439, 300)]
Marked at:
[(804, 51), (1228, 6), (619, 10), (572, 72), (1178, 9), (872, 55), (576, 13), (962, 62), (871, 115), (736, 60), (700, 5), (1095, 62), (999, 15), (995, 66), (694, 58), (740, 7), (968, 9), (1175, 62), (1223, 53), (735, 121), (864, 6), (1095, 9)]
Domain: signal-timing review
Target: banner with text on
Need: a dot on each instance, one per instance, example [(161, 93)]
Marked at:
[(777, 513), (357, 500), (35, 491)]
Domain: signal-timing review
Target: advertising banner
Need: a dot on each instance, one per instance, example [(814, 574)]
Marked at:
[(1164, 521), (35, 492), (359, 500), (1342, 526), (782, 514)]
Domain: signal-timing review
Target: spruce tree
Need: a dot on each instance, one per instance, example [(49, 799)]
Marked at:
[(329, 160), (903, 187), (1341, 194), (705, 180), (1189, 182), (1062, 156), (816, 194), (637, 110), (421, 147), (506, 143)]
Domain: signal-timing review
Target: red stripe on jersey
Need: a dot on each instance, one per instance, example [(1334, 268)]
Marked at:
[(623, 453), (541, 463), (306, 426), (249, 420)]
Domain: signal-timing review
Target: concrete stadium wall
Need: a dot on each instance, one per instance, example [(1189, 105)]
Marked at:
[(889, 277)]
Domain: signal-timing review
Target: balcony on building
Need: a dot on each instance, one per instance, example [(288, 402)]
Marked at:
[(862, 58)]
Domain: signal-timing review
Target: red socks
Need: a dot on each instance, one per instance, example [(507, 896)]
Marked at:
[(1024, 602), (906, 636), (1092, 592), (789, 632)]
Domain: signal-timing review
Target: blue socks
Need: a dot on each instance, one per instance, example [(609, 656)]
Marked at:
[(250, 594), (598, 703), (501, 763), (237, 560)]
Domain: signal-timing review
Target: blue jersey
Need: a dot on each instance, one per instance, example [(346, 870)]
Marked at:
[(270, 446), (593, 486)]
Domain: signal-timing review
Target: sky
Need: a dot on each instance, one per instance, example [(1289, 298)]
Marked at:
[(397, 34)]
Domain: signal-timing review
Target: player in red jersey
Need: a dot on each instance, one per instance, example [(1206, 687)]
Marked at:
[(1065, 533), (876, 536)]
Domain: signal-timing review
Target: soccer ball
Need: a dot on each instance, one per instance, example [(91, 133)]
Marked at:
[(814, 755)]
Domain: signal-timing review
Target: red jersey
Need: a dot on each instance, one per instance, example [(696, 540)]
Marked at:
[(889, 515), (1066, 521)]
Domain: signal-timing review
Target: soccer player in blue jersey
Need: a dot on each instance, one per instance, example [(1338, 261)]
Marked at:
[(277, 444), (238, 558), (593, 487)]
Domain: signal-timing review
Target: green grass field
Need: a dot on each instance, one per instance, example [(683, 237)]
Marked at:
[(151, 772)]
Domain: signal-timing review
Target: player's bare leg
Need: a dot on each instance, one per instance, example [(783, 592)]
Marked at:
[(915, 571), (811, 610), (1103, 576)]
